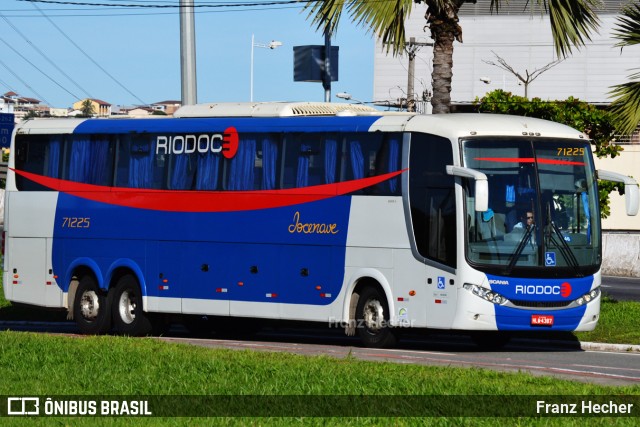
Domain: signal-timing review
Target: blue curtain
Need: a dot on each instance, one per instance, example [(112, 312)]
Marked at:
[(241, 175), (208, 167), (302, 177), (357, 160), (141, 166), (53, 157), (330, 158), (99, 164), (181, 173), (394, 157), (269, 159), (80, 151)]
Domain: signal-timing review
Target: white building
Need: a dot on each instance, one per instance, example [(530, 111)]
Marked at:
[(6, 105), (523, 39)]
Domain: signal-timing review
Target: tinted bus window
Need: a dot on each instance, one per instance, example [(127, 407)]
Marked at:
[(38, 154), (432, 198), (89, 159), (138, 164)]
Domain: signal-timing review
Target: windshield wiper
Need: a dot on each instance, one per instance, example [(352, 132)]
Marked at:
[(523, 242), (563, 247)]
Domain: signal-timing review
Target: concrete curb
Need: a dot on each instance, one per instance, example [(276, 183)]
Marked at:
[(621, 348)]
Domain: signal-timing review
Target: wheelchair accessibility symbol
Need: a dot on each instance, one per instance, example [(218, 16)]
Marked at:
[(440, 282), (550, 259)]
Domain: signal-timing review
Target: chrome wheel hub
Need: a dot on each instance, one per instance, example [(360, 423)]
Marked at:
[(373, 315), (89, 305), (127, 307)]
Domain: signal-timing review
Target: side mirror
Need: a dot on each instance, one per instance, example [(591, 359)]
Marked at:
[(482, 184), (631, 196)]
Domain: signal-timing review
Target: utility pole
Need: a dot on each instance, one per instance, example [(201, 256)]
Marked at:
[(411, 49), (326, 78), (188, 53)]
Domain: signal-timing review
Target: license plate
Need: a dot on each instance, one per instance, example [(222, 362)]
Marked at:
[(541, 320)]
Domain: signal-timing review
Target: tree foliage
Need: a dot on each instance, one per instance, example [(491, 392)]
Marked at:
[(87, 109), (597, 124), (626, 105)]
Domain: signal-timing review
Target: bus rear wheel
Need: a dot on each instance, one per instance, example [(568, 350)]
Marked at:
[(372, 319), (91, 307), (128, 316)]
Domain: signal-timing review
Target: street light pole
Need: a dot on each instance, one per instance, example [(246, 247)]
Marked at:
[(188, 53), (271, 45)]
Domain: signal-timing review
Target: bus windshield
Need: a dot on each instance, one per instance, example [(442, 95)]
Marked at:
[(543, 216)]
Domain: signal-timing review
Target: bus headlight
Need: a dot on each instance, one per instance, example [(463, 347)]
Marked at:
[(588, 297), (486, 294)]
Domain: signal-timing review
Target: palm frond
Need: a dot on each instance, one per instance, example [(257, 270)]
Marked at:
[(572, 22), (325, 14), (384, 18), (626, 105), (628, 26)]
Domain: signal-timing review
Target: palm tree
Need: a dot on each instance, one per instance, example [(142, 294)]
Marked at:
[(571, 23), (626, 106), (87, 109)]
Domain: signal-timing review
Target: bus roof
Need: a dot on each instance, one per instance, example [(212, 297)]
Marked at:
[(462, 125), (290, 116)]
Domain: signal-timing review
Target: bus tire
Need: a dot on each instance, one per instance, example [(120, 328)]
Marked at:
[(128, 316), (372, 319), (91, 307)]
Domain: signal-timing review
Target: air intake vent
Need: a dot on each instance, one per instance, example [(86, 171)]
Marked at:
[(274, 109), (541, 304)]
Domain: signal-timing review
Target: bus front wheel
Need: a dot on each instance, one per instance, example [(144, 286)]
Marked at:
[(372, 319), (91, 307), (128, 316)]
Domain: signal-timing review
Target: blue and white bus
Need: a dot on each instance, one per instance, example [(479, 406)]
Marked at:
[(311, 212)]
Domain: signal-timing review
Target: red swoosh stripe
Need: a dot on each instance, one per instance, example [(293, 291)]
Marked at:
[(529, 160), (204, 201)]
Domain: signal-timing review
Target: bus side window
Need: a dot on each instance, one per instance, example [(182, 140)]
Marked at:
[(241, 171), (208, 168), (309, 160), (138, 165), (32, 155), (89, 159), (267, 163), (432, 198)]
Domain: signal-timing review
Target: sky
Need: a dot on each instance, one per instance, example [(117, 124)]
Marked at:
[(60, 53)]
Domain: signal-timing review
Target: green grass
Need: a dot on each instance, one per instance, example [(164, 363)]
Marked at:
[(618, 323), (34, 364)]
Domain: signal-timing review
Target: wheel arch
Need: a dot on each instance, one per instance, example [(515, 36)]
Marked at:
[(123, 266), (359, 280), (83, 266)]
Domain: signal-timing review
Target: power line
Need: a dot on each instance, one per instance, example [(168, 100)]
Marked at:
[(53, 64), (36, 67), (164, 6), (5, 84), (24, 83), (89, 57)]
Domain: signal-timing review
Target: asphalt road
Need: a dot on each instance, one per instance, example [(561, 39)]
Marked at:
[(621, 288)]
